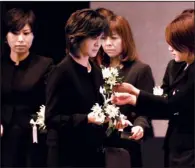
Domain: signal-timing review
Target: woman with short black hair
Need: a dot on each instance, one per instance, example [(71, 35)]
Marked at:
[(24, 75)]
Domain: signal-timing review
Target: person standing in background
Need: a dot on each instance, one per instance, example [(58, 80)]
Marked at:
[(174, 65), (179, 107), (74, 136), (23, 80), (173, 70), (119, 50)]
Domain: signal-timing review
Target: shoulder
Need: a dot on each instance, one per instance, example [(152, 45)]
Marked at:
[(173, 64), (61, 70), (65, 65), (42, 60), (140, 66)]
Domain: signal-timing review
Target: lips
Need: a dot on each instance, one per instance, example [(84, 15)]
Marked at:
[(109, 50), (20, 46)]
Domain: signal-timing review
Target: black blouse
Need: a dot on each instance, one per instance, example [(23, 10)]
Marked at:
[(71, 93), (23, 88)]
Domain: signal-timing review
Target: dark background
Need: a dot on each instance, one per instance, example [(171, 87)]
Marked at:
[(49, 38)]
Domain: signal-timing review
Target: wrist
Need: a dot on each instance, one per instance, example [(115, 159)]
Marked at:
[(136, 92), (88, 118)]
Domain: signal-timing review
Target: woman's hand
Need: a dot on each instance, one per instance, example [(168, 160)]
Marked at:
[(124, 98), (137, 132), (126, 87), (1, 130), (94, 119), (123, 123)]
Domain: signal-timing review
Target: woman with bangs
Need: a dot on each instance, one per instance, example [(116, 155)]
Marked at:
[(181, 30), (23, 82), (119, 50), (173, 70), (179, 107), (75, 137), (174, 66)]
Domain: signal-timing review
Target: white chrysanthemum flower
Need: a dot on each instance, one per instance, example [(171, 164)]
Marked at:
[(42, 110), (97, 113), (114, 71), (102, 91), (41, 113), (157, 90), (41, 117), (111, 81), (100, 117), (106, 73), (112, 111), (96, 108)]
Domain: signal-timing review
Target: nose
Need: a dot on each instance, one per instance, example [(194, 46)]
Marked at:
[(170, 49), (20, 38), (98, 42), (107, 41)]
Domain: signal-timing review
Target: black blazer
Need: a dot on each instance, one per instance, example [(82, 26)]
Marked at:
[(179, 108), (139, 75), (23, 88), (71, 93), (173, 70)]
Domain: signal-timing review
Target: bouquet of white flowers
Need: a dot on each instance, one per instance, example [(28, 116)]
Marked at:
[(40, 121), (108, 110), (111, 77)]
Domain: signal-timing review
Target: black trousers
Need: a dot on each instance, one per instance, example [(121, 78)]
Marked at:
[(17, 149), (134, 149), (117, 158), (179, 158)]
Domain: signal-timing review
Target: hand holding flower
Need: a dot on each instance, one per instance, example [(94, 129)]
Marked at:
[(126, 87), (137, 133), (108, 112), (124, 98), (1, 130), (96, 119), (123, 123)]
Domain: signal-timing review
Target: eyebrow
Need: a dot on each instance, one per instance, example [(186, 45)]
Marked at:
[(27, 29)]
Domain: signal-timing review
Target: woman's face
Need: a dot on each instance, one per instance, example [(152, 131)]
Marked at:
[(178, 56), (90, 46), (21, 41), (112, 45)]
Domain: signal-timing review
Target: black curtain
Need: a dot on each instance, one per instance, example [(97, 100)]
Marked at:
[(51, 17)]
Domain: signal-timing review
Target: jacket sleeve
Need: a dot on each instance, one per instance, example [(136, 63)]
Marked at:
[(48, 71), (145, 82), (183, 101)]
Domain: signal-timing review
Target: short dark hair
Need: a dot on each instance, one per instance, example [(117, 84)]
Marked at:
[(17, 18), (81, 25), (105, 12), (180, 33)]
